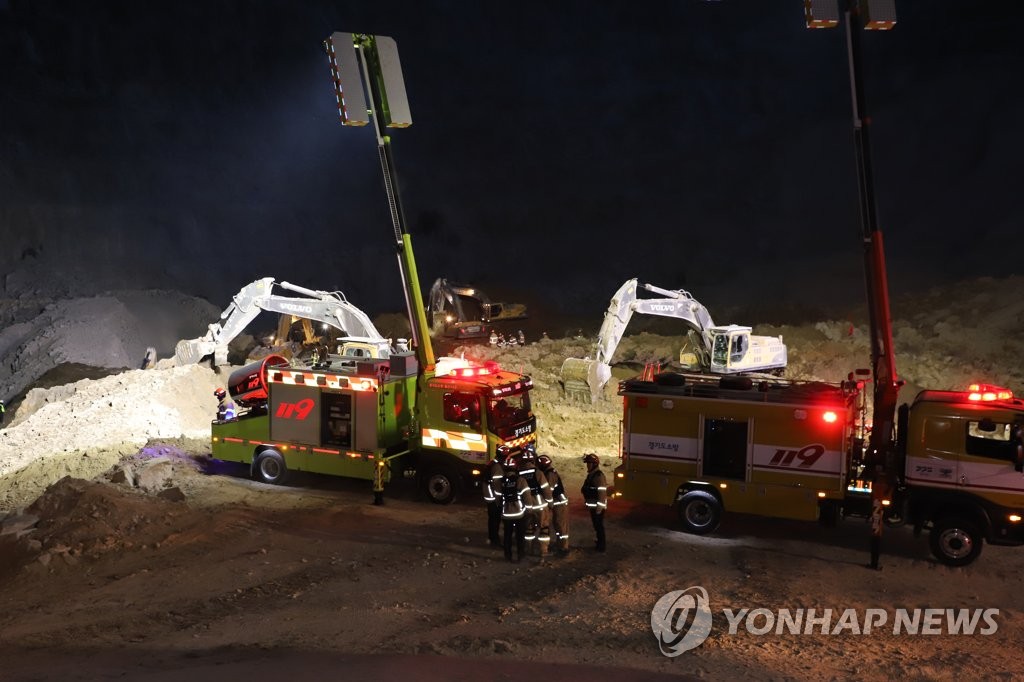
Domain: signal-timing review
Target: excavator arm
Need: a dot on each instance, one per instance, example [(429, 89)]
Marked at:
[(330, 308), (739, 352), (624, 303)]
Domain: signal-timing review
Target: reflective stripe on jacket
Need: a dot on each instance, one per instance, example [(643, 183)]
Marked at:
[(595, 490)]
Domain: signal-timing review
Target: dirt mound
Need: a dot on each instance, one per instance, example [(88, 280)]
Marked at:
[(109, 331), (84, 428), (77, 521)]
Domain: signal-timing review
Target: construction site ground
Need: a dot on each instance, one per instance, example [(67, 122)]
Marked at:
[(215, 573), (126, 552)]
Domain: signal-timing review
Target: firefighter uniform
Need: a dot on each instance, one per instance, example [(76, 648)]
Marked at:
[(492, 496), (516, 499), (538, 516), (559, 505), (595, 494)]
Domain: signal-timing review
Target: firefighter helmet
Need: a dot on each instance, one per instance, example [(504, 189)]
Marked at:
[(511, 462), (219, 394), (544, 462), (591, 458)]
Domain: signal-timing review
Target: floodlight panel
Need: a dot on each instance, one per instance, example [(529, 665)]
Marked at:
[(396, 112), (348, 81), (878, 15), (821, 13)]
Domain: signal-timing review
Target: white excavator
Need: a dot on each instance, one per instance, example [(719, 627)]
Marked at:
[(717, 349), (358, 337)]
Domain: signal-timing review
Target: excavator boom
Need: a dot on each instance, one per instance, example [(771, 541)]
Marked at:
[(329, 308), (720, 349)]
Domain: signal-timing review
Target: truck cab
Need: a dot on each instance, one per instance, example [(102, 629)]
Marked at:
[(964, 469), (467, 413)]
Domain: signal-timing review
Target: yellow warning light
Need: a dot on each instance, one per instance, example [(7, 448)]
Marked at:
[(886, 503), (723, 486), (821, 494), (620, 475), (1015, 518), (476, 472)]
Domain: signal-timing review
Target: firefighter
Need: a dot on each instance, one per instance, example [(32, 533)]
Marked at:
[(225, 408), (492, 496), (515, 499), (559, 504), (538, 517), (595, 494)]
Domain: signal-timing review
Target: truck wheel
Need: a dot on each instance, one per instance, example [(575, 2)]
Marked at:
[(269, 467), (700, 512), (955, 542), (441, 486)]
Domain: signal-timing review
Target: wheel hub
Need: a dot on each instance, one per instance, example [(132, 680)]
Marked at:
[(440, 487), (698, 513), (955, 543), (269, 468)]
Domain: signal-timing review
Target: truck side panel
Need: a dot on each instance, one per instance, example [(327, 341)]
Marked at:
[(767, 458)]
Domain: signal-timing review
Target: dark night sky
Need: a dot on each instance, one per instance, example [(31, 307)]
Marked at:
[(558, 148)]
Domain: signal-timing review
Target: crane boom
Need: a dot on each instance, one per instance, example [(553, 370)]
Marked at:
[(377, 59)]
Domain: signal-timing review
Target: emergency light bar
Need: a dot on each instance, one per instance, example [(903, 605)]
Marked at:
[(490, 367), (988, 393)]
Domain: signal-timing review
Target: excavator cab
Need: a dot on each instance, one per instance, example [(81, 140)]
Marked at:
[(729, 346)]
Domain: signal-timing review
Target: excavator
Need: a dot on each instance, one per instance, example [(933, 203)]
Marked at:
[(459, 311), (718, 349), (357, 335)]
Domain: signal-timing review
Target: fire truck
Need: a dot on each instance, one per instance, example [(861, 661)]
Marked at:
[(949, 461), (798, 450), (440, 420)]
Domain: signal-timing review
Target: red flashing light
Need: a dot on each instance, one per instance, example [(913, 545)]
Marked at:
[(830, 417), (988, 393), (489, 368)]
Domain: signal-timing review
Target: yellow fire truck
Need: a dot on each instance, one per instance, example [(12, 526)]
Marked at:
[(796, 450)]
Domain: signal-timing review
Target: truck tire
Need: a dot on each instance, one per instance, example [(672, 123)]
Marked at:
[(700, 512), (269, 467), (955, 541), (441, 485)]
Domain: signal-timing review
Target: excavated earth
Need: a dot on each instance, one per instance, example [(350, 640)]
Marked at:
[(126, 551)]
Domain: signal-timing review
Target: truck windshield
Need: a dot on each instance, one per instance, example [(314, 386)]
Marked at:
[(508, 410)]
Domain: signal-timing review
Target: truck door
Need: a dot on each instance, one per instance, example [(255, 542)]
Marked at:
[(726, 448)]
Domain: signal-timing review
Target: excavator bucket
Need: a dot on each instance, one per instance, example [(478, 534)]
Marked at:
[(507, 311), (584, 379), (191, 351)]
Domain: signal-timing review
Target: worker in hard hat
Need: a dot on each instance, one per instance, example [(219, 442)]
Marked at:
[(516, 499), (492, 496), (225, 408), (559, 505), (595, 494)]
